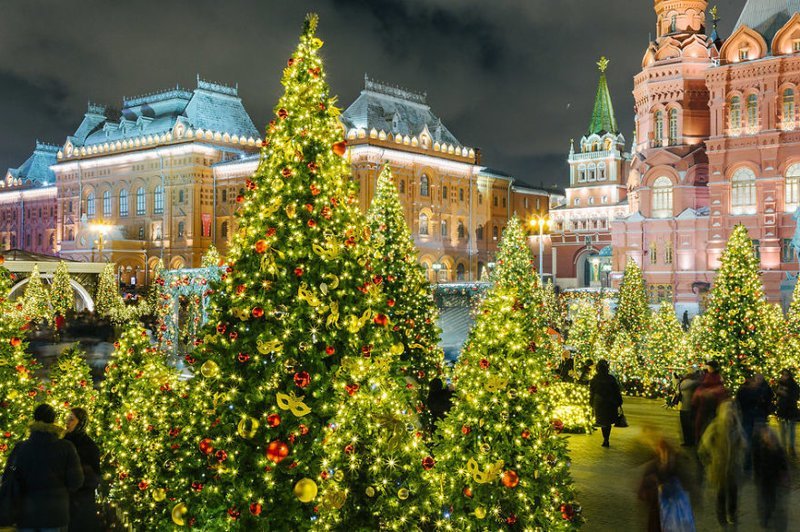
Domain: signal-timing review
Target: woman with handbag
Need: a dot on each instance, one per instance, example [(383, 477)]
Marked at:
[(606, 399)]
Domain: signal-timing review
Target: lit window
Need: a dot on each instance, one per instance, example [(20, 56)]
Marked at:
[(223, 230), (662, 197), (796, 45), (752, 113), (668, 253), (107, 203), (91, 205), (792, 187), (788, 109), (460, 272), (123, 202), (158, 200), (140, 201), (424, 185), (444, 193), (444, 228), (402, 186), (673, 127), (735, 116), (181, 229), (743, 192), (658, 128), (744, 54), (423, 224), (653, 253), (461, 232)]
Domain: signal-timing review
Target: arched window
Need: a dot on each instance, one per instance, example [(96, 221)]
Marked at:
[(424, 186), (423, 224), (601, 172), (662, 197), (581, 174), (460, 272), (158, 200), (658, 128), (107, 203), (460, 194), (788, 109), (181, 229), (223, 230), (673, 127), (592, 172), (461, 232), (735, 116), (444, 193), (444, 228), (181, 196), (792, 186), (140, 201), (402, 186), (673, 24), (668, 253), (91, 205), (123, 202), (653, 253), (743, 192), (494, 232), (479, 232), (752, 113)]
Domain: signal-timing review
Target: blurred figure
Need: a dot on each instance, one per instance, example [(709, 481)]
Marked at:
[(755, 403), (566, 367), (707, 397), (687, 385), (440, 400), (586, 372), (606, 399), (771, 470), (82, 505), (788, 393), (721, 450), (664, 490)]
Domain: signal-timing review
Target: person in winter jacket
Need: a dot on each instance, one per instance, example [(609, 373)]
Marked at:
[(707, 397), (82, 505), (686, 388), (606, 399), (772, 479), (721, 450), (787, 393), (49, 470)]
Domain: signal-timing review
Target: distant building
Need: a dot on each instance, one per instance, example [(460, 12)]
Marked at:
[(597, 194)]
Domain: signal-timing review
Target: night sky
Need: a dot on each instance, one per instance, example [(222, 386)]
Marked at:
[(515, 78)]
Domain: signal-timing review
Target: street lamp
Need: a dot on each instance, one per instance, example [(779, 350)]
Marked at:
[(101, 228), (541, 222), (436, 267)]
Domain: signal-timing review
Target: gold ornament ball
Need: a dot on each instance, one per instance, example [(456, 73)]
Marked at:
[(178, 513), (159, 494), (403, 494), (480, 512), (338, 476), (370, 491), (210, 369), (247, 427), (305, 490)]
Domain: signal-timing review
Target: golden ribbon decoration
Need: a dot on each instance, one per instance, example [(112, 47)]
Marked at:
[(241, 314), (333, 317), (304, 293), (334, 280), (356, 323), (293, 403), (329, 251), (486, 476), (495, 384), (270, 346)]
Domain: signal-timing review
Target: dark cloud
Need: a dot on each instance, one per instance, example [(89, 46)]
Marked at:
[(515, 78)]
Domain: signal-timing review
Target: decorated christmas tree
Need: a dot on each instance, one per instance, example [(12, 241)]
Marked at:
[(515, 267), (19, 387), (146, 431), (553, 307), (407, 290), (297, 314), (499, 460), (734, 319), (108, 302), (665, 351), (633, 313), (61, 294), (36, 299), (71, 383), (626, 364), (210, 259), (793, 316), (777, 346), (583, 335)]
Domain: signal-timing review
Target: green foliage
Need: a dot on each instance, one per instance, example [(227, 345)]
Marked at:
[(108, 302), (584, 333), (665, 350), (71, 383), (633, 312), (36, 301), (61, 293), (553, 307), (515, 263)]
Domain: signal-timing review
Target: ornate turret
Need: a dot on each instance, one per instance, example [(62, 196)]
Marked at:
[(603, 120), (680, 16)]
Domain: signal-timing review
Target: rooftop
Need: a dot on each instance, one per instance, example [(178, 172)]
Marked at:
[(767, 16), (35, 171)]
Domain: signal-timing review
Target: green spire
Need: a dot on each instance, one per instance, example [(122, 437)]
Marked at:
[(603, 120)]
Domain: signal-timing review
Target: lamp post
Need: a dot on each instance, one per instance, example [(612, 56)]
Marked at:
[(101, 228), (436, 267), (541, 222)]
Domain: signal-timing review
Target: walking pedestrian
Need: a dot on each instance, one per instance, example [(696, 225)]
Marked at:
[(48, 469), (82, 505), (566, 366), (707, 397), (721, 450), (606, 399), (687, 385), (664, 489), (771, 474), (788, 393), (755, 403)]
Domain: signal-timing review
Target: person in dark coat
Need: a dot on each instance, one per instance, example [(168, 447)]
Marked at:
[(686, 388), (707, 398), (754, 399), (566, 367), (49, 470), (440, 400), (788, 393), (82, 505), (772, 479), (606, 399)]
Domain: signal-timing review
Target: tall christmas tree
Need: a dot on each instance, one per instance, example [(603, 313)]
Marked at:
[(583, 335), (19, 387), (36, 299), (665, 351), (298, 304), (515, 266), (633, 313), (734, 319), (626, 364), (71, 383), (553, 307), (61, 294), (408, 292), (500, 462), (108, 302)]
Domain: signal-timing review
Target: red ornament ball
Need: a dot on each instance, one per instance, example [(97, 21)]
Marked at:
[(221, 455), (511, 519), (255, 509), (382, 320), (15, 342), (390, 302), (428, 462), (261, 246), (465, 429), (526, 434), (484, 364), (340, 148), (467, 492), (206, 446), (273, 420), (277, 451), (257, 312), (302, 379), (233, 513), (330, 350), (510, 479)]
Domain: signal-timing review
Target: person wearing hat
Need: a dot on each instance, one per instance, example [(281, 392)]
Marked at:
[(49, 470), (82, 504)]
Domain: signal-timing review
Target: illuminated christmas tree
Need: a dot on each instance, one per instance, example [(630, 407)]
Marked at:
[(146, 430), (36, 299), (515, 267), (210, 259), (553, 307), (778, 347), (61, 294), (793, 316), (298, 300), (734, 319), (108, 302), (633, 312), (408, 292), (665, 351), (583, 335), (71, 383), (500, 462), (19, 387), (626, 364)]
